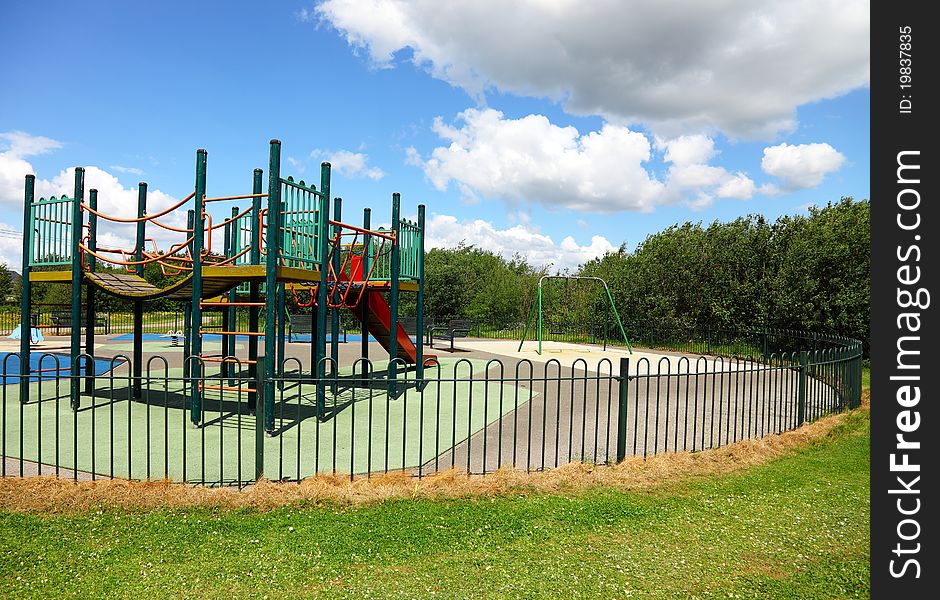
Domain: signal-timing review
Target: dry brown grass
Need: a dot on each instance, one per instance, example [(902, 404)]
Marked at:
[(50, 495)]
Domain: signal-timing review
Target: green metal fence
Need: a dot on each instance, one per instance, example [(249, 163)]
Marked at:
[(473, 414)]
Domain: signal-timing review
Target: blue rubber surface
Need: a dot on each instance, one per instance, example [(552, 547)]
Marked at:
[(10, 364)]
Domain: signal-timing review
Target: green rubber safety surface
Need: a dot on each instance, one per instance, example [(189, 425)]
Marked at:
[(365, 430)]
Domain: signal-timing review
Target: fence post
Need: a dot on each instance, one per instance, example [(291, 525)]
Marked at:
[(801, 393), (622, 409), (260, 408)]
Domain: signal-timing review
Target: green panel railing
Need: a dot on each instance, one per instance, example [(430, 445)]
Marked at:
[(243, 225), (302, 224), (409, 243), (409, 240), (51, 232), (381, 257)]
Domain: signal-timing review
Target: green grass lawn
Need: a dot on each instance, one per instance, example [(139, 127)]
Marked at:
[(797, 527)]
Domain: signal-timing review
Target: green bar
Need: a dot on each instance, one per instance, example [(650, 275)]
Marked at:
[(187, 306), (25, 285), (540, 317), (525, 330), (617, 315), (419, 302), (270, 295), (227, 321), (139, 305), (323, 221), (622, 408), (260, 382), (801, 392), (254, 290), (196, 370), (365, 262), (281, 331), (76, 329), (393, 298), (233, 294), (334, 321), (90, 315)]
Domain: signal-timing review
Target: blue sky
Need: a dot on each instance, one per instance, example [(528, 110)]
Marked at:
[(557, 130)]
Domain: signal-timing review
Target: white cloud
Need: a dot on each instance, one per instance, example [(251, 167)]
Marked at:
[(688, 149), (801, 166), (690, 176), (350, 164), (129, 170), (532, 160), (18, 144), (446, 231), (679, 67)]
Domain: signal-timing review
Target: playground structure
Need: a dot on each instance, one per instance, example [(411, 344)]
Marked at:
[(284, 240), (77, 415), (537, 305)]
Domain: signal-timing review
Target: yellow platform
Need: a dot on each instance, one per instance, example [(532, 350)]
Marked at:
[(215, 281)]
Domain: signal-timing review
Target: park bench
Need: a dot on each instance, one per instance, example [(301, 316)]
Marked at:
[(63, 319), (455, 328), (303, 324)]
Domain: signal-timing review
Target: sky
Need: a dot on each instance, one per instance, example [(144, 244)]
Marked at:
[(553, 129)]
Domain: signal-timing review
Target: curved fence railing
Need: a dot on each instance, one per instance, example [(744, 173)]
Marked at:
[(473, 412)]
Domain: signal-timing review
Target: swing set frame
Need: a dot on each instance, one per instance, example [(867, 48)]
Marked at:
[(538, 303)]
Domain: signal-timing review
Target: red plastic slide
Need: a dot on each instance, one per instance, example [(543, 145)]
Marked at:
[(378, 319)]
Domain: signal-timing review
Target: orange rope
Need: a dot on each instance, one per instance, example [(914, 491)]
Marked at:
[(229, 220), (165, 265), (389, 236), (127, 263), (138, 219), (170, 227), (232, 259)]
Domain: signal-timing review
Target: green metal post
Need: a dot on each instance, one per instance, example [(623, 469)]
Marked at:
[(76, 330), (622, 409), (334, 321), (366, 265), (419, 302), (281, 327), (90, 314), (188, 307), (393, 296), (323, 215), (540, 317), (196, 368), (227, 252), (26, 317), (138, 353), (233, 297), (228, 349), (254, 292), (273, 238), (528, 323), (260, 383), (801, 390), (617, 316)]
